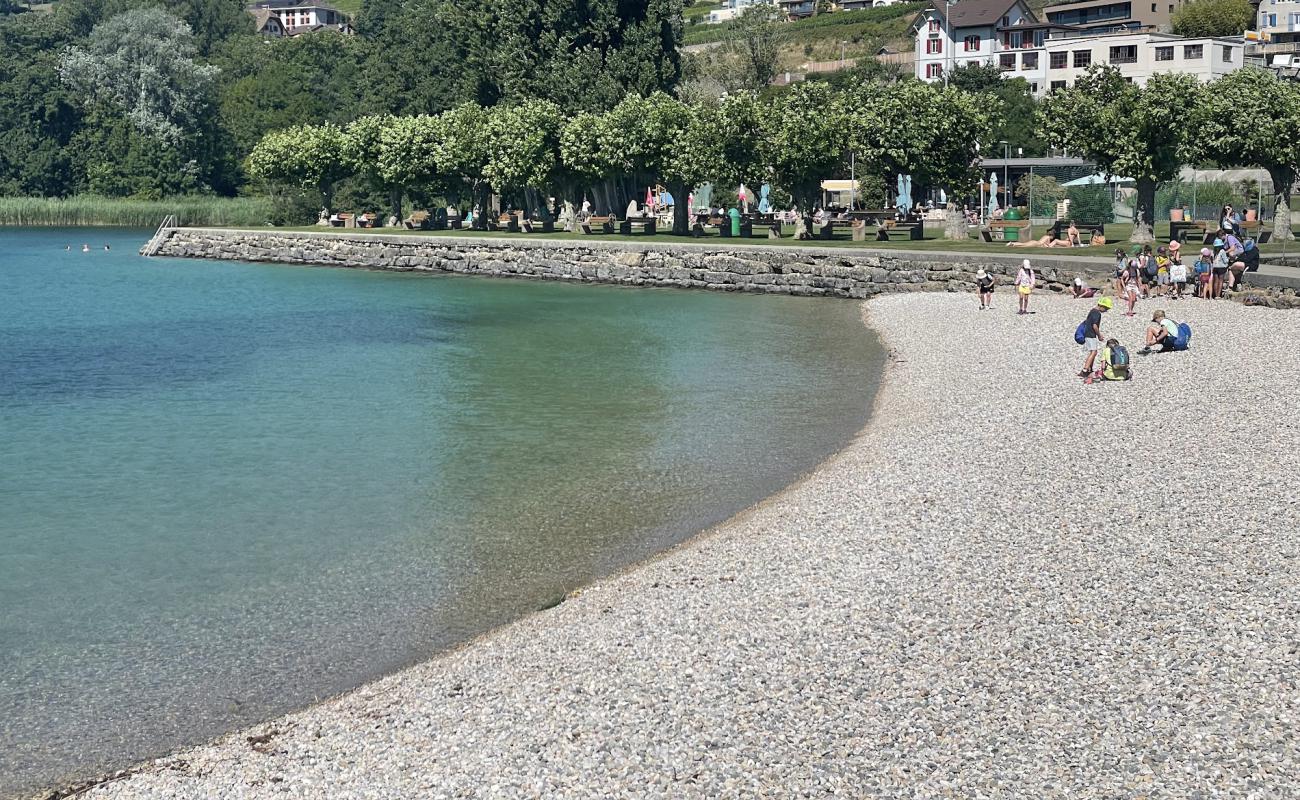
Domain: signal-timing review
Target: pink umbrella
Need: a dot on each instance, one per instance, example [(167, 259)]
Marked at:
[(649, 197)]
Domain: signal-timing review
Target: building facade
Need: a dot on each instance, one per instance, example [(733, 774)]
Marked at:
[(1278, 33), (1107, 16), (1052, 56), (297, 17)]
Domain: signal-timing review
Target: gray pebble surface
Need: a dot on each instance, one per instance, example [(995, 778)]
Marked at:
[(1010, 585)]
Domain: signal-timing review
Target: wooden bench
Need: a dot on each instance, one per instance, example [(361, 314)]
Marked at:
[(419, 220), (342, 221), (998, 228), (1178, 230), (646, 224), (827, 229), (1085, 229), (593, 225), (914, 231), (1255, 229)]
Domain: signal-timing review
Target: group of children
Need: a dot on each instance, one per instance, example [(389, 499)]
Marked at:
[(1164, 333), (1163, 274)]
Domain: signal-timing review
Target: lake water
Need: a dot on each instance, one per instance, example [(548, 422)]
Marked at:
[(227, 489)]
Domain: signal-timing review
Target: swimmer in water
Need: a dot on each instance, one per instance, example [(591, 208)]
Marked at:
[(106, 248), (85, 248)]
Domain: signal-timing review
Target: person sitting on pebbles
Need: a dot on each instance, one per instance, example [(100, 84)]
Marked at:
[(1161, 333), (1114, 363), (1081, 289)]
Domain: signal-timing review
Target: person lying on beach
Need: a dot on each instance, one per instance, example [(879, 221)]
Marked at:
[(1045, 240)]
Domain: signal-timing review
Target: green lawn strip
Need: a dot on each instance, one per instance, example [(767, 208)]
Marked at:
[(1116, 236)]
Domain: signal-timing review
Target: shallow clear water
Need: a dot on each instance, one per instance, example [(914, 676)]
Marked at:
[(229, 489)]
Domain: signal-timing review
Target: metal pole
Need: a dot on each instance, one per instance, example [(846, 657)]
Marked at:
[(1031, 196), (853, 178)]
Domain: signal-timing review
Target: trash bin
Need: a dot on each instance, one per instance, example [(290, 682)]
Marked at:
[(735, 222), (1011, 234)]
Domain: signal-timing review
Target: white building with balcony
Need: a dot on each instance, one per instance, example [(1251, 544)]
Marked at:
[(1279, 33), (1052, 56), (951, 36)]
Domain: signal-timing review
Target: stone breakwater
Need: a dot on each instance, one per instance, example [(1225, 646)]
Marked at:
[(808, 271)]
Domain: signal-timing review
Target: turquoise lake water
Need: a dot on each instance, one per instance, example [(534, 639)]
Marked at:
[(227, 489)]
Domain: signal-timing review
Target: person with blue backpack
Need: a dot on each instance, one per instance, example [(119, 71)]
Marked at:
[(1088, 334), (1166, 334)]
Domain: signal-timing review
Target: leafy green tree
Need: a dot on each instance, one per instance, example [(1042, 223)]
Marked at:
[(803, 138), (363, 156), (143, 61), (1213, 18), (37, 117), (928, 131), (524, 146), (755, 39), (1043, 190), (1125, 129), (1011, 104), (269, 85), (304, 156), (1252, 118), (462, 149)]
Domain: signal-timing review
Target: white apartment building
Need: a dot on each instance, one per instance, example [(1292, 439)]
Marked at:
[(951, 36), (1279, 32), (1052, 56)]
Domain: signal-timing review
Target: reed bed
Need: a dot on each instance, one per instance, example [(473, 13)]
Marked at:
[(104, 211)]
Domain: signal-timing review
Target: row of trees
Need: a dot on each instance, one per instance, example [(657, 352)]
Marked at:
[(533, 149), (118, 97), (1248, 118)]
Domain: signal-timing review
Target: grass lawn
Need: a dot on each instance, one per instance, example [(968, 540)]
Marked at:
[(1116, 236)]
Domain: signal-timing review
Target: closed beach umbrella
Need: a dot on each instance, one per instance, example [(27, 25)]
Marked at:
[(993, 193)]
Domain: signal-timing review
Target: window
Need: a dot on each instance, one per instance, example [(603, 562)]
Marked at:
[(934, 26), (1153, 8), (1164, 54), (1082, 58), (1016, 40), (1193, 52), (934, 70), (1127, 54), (1227, 54), (933, 46), (1057, 60), (1006, 22), (1057, 85), (1028, 61), (971, 44), (1007, 61), (1033, 87), (1040, 36)]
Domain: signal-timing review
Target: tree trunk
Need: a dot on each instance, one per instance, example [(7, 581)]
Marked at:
[(395, 203), (327, 195), (954, 226), (1144, 212), (681, 209), (1282, 181)]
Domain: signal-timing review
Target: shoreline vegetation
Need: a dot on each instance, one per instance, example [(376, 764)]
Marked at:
[(890, 625), (94, 211)]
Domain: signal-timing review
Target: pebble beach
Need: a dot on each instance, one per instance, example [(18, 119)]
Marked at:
[(1010, 585)]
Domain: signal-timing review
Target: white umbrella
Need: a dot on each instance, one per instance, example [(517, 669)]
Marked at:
[(993, 193), (943, 198)]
